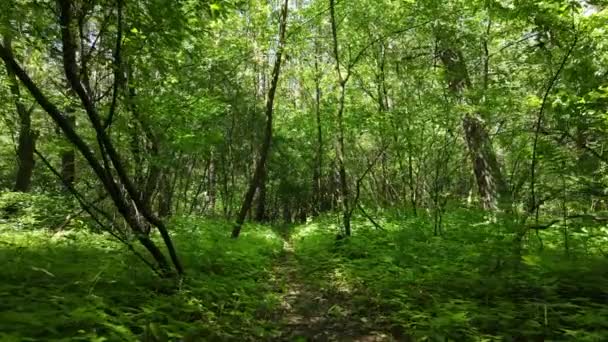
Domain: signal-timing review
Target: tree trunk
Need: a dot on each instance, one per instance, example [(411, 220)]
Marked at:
[(25, 154), (27, 138), (144, 144), (491, 185), (68, 156), (260, 168), (211, 186), (492, 188), (260, 212), (317, 206), (165, 200), (343, 182)]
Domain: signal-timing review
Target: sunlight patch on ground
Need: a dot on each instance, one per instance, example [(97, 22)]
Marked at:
[(305, 230), (267, 234), (340, 282)]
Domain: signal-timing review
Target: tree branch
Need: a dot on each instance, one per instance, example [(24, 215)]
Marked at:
[(362, 177), (577, 216), (87, 207), (371, 219), (541, 115)]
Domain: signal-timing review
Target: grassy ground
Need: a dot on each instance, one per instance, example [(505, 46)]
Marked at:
[(302, 284), (83, 287), (463, 286)]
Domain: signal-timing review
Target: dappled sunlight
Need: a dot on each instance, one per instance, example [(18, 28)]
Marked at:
[(340, 282), (314, 228), (267, 234)]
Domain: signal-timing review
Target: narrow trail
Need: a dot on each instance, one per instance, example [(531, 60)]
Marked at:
[(308, 313)]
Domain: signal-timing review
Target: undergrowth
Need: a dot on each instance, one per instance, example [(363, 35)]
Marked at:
[(80, 286), (463, 286)]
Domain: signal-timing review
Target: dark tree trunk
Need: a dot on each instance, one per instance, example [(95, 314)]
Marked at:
[(340, 148), (68, 156), (165, 200), (260, 211), (491, 185), (318, 197), (25, 154), (286, 212), (493, 190), (27, 138), (260, 168)]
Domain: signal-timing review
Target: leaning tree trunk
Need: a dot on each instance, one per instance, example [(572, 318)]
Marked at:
[(493, 190), (27, 138), (491, 185), (108, 165), (260, 168)]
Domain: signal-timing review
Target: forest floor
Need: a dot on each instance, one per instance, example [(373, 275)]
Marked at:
[(309, 313), (299, 283)]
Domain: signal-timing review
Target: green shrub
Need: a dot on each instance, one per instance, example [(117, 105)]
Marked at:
[(33, 211)]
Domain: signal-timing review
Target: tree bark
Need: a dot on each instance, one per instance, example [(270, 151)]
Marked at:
[(260, 169), (493, 191), (68, 157), (343, 182), (211, 185), (27, 138), (492, 187), (318, 197), (165, 200), (260, 211)]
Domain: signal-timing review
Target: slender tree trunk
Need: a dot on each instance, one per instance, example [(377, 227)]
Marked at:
[(318, 168), (68, 156), (412, 182), (185, 186), (165, 199), (27, 138), (342, 80), (211, 185), (203, 183), (346, 212), (260, 212), (138, 143), (260, 169)]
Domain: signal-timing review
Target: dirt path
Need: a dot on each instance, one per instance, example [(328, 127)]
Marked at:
[(310, 314)]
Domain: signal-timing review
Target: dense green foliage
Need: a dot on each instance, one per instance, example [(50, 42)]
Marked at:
[(403, 282), (416, 170), (463, 286), (78, 286)]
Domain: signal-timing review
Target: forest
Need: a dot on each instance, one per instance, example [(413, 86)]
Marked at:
[(304, 170)]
